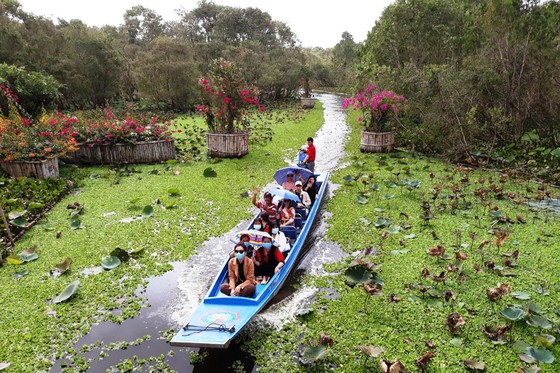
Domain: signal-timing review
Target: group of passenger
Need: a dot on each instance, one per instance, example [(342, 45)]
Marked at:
[(249, 264)]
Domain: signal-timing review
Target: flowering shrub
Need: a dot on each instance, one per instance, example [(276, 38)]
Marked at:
[(227, 98), (379, 108), (23, 139), (110, 130)]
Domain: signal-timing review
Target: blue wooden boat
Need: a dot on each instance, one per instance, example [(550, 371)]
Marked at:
[(220, 318)]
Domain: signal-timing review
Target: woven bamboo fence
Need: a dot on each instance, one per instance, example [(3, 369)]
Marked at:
[(227, 145), (38, 169), (377, 142), (140, 152)]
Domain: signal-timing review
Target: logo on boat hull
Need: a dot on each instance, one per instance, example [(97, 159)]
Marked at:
[(220, 317)]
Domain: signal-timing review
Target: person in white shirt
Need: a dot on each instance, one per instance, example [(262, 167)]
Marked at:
[(303, 196), (280, 238)]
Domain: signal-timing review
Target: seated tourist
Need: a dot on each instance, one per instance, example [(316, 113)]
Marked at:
[(245, 239), (241, 274), (289, 184), (286, 213), (266, 205), (278, 236), (268, 260), (311, 188), (305, 201), (261, 224)]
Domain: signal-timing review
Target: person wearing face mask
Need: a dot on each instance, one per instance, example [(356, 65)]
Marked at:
[(241, 274), (268, 260), (279, 238), (249, 249), (261, 224)]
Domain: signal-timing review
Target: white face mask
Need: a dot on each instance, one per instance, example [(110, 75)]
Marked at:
[(274, 230), (257, 226)]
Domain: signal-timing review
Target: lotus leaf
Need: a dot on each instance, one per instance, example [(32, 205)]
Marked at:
[(371, 351), (20, 274), (148, 211), (348, 178), (173, 191), (377, 209), (475, 365), (62, 267), (110, 262), (394, 229), (361, 199), (496, 214), (382, 223), (533, 308), (539, 322), (521, 295), (76, 224), (375, 187), (67, 292), (365, 221), (209, 172), (16, 214), (410, 236), (388, 196), (520, 347), (357, 274), (512, 313), (389, 184), (545, 340), (19, 222), (457, 342), (14, 259), (29, 254), (541, 355), (312, 354)]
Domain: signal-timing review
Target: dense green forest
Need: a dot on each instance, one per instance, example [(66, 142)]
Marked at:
[(482, 77)]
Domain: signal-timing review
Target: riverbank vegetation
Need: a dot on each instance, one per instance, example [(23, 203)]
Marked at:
[(107, 210), (440, 255)]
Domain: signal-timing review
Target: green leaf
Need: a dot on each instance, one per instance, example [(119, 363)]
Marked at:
[(62, 267), (153, 172), (394, 229), (512, 313), (20, 274), (521, 295), (410, 236), (348, 179), (134, 200), (19, 222), (29, 255), (371, 351), (148, 211), (312, 354), (16, 214), (457, 342), (542, 355), (361, 199), (545, 340), (382, 223), (209, 172), (357, 274), (520, 347), (76, 224), (67, 292), (14, 259), (398, 252), (496, 214), (539, 322), (174, 192), (475, 365), (110, 262)]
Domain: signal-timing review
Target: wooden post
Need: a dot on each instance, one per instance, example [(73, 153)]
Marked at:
[(5, 221)]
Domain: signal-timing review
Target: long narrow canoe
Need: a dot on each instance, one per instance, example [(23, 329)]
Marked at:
[(219, 318)]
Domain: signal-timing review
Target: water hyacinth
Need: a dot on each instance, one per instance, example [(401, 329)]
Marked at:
[(379, 107)]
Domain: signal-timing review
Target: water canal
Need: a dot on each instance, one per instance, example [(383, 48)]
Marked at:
[(174, 295)]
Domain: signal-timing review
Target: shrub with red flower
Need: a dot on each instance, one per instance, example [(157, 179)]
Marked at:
[(106, 129), (227, 98), (24, 139), (379, 108)]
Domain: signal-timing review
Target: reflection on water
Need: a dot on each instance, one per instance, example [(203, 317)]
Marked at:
[(175, 295)]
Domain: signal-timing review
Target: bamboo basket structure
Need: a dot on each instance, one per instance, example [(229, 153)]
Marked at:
[(377, 142), (140, 152), (43, 169), (227, 145), (307, 102)]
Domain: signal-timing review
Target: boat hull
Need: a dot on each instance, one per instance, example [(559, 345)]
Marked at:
[(220, 318)]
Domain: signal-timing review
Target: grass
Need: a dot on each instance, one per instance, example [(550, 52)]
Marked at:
[(408, 329), (34, 331)]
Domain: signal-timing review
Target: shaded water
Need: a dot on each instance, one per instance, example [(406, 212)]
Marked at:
[(175, 295)]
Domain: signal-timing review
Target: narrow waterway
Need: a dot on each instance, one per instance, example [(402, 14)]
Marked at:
[(175, 295)]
